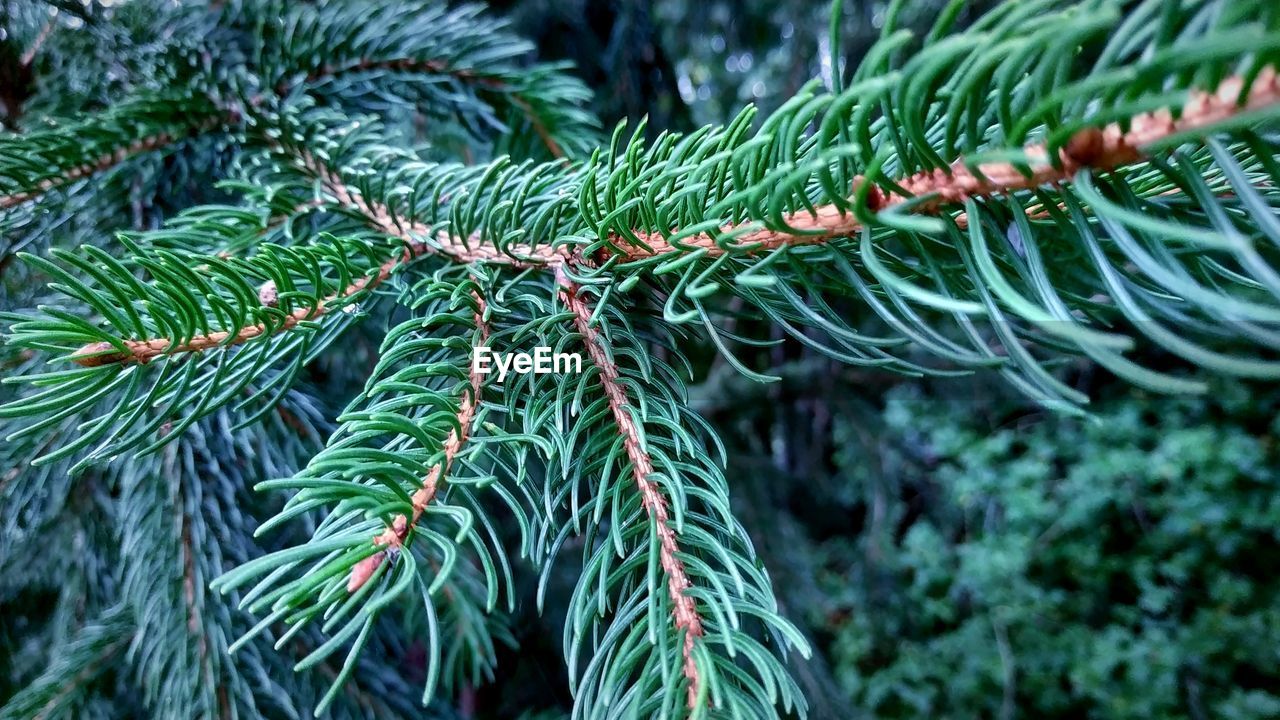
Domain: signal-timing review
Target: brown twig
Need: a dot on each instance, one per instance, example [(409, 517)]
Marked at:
[(394, 536), (683, 607)]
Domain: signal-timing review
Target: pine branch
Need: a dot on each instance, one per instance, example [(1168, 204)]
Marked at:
[(141, 352), (1021, 186), (393, 537), (923, 193), (399, 442), (926, 193), (418, 236), (651, 578), (104, 162), (132, 409), (165, 566), (931, 192), (49, 159), (420, 44), (684, 608)]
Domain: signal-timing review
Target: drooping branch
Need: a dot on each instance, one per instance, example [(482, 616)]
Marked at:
[(684, 609), (394, 536)]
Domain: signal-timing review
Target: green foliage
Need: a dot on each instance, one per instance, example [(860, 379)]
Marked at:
[(391, 437), (620, 606), (200, 295), (1114, 567), (371, 190)]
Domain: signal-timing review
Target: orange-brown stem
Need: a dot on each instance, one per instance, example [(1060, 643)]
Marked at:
[(1093, 148), (684, 609), (144, 351), (380, 217)]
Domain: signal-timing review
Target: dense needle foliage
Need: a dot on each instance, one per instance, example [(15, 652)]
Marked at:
[(249, 248)]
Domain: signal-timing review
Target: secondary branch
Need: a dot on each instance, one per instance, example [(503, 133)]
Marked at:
[(143, 351), (100, 164), (394, 536), (684, 609)]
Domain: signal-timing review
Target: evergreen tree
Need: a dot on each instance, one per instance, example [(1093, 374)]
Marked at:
[(250, 248)]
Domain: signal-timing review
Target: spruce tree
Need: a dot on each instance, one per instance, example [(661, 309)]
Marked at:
[(250, 249)]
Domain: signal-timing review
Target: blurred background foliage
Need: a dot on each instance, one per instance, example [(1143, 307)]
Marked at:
[(1013, 564), (951, 550), (957, 553)]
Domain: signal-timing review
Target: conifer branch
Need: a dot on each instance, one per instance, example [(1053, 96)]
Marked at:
[(684, 608), (931, 191), (141, 352), (986, 197), (417, 235), (394, 536), (1092, 148), (105, 162)]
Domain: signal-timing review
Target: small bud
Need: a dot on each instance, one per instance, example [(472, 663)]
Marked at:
[(364, 570), (1086, 146), (267, 294)]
